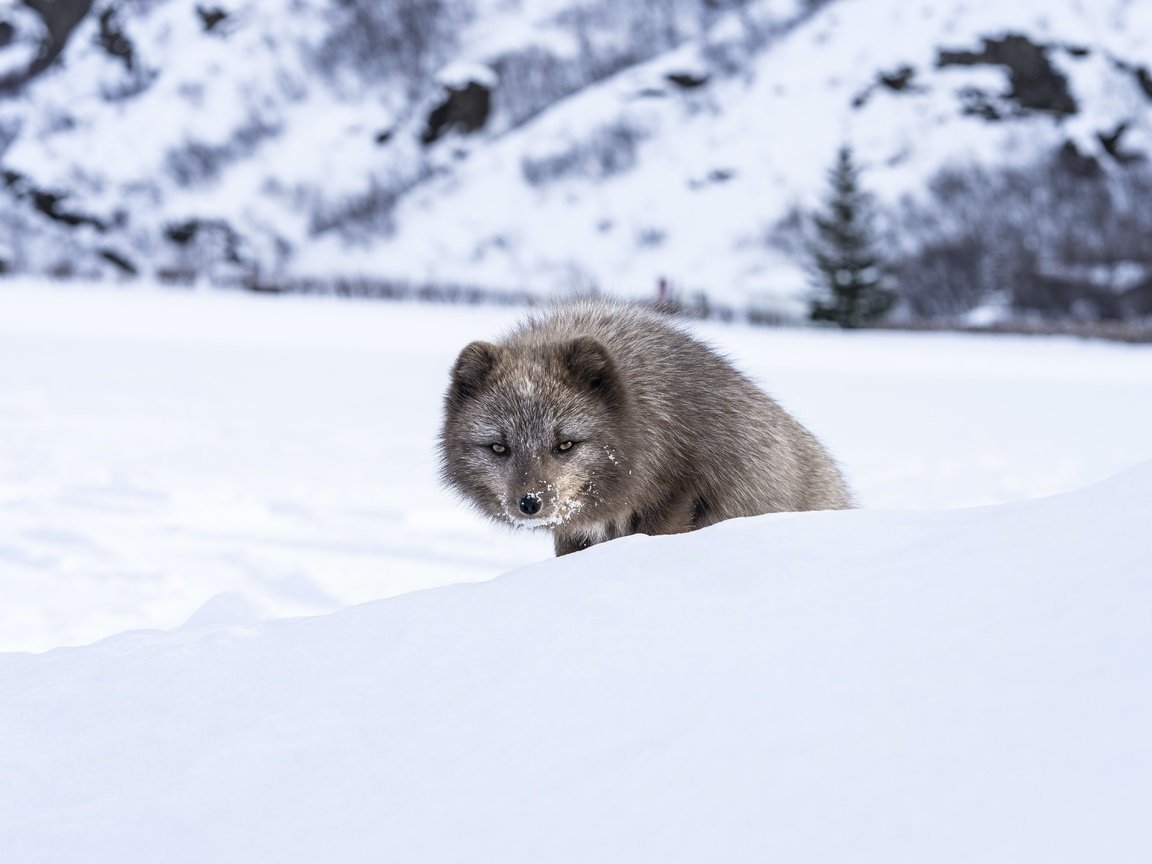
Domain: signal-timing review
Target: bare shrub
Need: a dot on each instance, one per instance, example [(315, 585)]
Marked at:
[(609, 150), (1049, 237), (197, 162), (402, 39)]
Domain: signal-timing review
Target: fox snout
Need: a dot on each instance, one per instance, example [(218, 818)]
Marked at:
[(537, 507)]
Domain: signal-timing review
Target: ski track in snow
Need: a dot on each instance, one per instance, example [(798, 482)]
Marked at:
[(160, 448)]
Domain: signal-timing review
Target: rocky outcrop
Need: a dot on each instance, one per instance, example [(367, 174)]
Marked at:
[(114, 40), (48, 202), (1034, 83), (1113, 143), (60, 18), (211, 17), (687, 80), (899, 80), (464, 109)]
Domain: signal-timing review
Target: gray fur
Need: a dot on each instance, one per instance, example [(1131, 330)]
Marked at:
[(668, 436)]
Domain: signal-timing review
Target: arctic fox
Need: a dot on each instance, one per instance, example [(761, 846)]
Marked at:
[(597, 420)]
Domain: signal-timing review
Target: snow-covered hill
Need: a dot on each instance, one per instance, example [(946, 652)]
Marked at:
[(538, 145), (854, 686)]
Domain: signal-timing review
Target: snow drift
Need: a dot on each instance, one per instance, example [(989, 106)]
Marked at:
[(859, 686)]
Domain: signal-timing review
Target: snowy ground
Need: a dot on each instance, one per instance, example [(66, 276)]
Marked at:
[(161, 449), (866, 686), (908, 685)]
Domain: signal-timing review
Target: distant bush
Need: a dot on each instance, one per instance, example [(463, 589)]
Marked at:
[(606, 151), (196, 162), (1061, 238), (533, 78), (1065, 239), (365, 215), (134, 76), (405, 40)]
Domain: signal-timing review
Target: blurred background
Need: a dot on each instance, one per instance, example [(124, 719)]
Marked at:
[(241, 243), (504, 149)]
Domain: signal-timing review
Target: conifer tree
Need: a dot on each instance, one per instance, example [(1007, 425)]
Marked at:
[(850, 288)]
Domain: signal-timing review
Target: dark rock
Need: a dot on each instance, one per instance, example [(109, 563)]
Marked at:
[(686, 80), (182, 233), (898, 81), (1144, 79), (464, 110), (119, 262), (211, 17), (113, 39), (383, 136), (48, 203), (974, 102), (60, 17), (1035, 84), (1051, 296), (1111, 142)]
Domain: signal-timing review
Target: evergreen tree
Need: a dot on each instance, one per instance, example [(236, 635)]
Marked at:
[(849, 273)]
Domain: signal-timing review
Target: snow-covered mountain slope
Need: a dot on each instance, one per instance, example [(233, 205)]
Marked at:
[(635, 179), (546, 145), (170, 139), (159, 449), (854, 686)]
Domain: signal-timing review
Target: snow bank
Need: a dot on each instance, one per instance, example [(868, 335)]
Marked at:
[(858, 686)]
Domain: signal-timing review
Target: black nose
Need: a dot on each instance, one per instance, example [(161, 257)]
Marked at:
[(530, 505)]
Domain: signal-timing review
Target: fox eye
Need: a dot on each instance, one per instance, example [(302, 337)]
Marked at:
[(564, 446), (499, 448)]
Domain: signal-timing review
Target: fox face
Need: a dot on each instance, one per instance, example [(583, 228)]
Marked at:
[(533, 435)]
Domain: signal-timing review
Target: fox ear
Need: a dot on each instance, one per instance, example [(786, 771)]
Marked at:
[(590, 366), (473, 367)]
